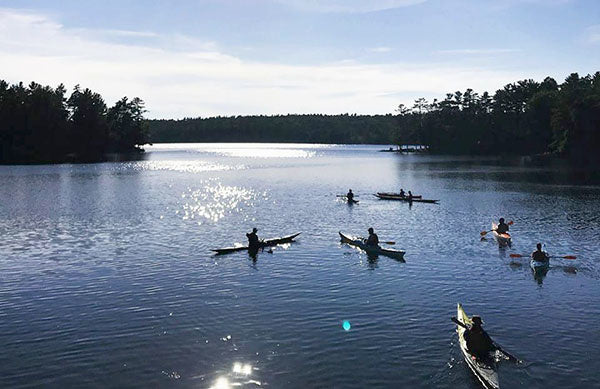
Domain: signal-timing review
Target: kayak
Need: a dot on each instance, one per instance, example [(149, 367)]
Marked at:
[(486, 372), (384, 196), (377, 250), (539, 265), (264, 243), (398, 195), (349, 201), (502, 239)]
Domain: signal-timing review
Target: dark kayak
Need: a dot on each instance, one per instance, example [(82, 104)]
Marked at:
[(399, 198), (264, 243), (373, 250), (398, 195)]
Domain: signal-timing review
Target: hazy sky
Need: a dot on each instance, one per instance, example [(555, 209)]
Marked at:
[(228, 57)]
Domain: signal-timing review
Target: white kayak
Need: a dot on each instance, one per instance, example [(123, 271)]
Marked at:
[(486, 373), (502, 239), (374, 250)]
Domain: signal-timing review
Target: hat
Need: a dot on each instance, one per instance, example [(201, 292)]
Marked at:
[(255, 229), (476, 320)]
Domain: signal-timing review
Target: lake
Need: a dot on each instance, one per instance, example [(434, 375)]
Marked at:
[(107, 278)]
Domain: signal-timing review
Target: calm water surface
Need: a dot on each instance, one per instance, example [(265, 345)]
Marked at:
[(107, 280)]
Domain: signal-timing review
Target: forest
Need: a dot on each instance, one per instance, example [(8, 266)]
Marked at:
[(39, 124), (523, 118)]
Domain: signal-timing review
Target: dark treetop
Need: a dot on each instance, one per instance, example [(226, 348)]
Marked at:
[(523, 118), (39, 124)]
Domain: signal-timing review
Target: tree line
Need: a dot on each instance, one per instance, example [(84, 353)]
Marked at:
[(310, 128), (40, 124), (523, 118)]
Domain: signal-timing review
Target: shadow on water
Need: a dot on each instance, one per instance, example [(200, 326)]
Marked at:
[(372, 261), (539, 273)]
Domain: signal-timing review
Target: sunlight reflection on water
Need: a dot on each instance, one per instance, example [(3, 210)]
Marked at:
[(214, 201), (189, 166), (265, 153), (247, 150), (239, 376)]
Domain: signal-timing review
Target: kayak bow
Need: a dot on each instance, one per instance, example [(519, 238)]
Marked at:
[(264, 243)]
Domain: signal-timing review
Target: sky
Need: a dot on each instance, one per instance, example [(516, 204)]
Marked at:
[(201, 58)]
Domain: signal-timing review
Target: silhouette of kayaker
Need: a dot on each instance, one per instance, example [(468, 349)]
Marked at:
[(373, 239), (502, 227), (539, 255), (350, 196), (253, 241)]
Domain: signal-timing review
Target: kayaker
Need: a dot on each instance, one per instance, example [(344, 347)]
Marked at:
[(539, 255), (478, 341), (402, 194), (253, 241), (373, 239), (410, 195), (350, 196), (502, 227)]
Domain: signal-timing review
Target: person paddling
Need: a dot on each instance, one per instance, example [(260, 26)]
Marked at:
[(502, 227), (479, 343), (539, 255), (410, 196), (373, 239), (350, 196), (402, 194), (253, 241)]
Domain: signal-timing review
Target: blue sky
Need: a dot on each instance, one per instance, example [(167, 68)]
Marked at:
[(191, 58)]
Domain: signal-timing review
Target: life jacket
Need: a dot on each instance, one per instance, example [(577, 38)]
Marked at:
[(478, 342), (252, 239), (539, 256)]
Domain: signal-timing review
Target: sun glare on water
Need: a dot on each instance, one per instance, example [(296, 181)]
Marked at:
[(239, 376), (214, 201)]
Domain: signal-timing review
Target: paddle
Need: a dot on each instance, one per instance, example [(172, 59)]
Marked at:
[(454, 319), (550, 256), (483, 233), (346, 196), (507, 354)]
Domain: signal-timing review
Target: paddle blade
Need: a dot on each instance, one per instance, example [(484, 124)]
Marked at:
[(483, 233), (510, 223), (570, 257), (516, 255), (391, 242)]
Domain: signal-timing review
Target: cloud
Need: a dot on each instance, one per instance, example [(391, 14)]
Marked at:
[(477, 51), (203, 80), (348, 6), (380, 49), (592, 34)]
